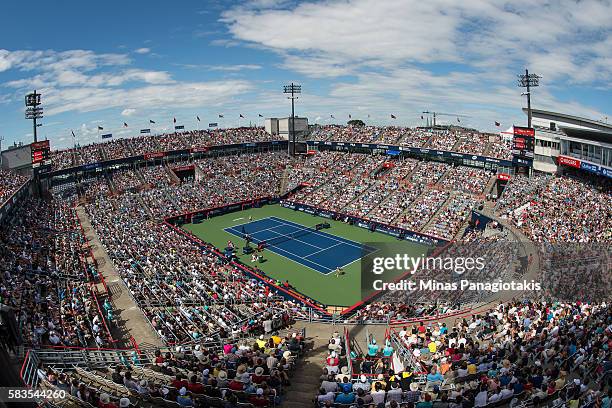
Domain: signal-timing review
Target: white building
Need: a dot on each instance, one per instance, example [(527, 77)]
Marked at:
[(282, 127), (558, 135)]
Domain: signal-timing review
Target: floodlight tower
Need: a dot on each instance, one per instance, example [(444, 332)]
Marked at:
[(528, 81), (292, 90), (33, 110)]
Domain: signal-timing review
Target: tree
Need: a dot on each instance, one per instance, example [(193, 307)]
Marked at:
[(356, 122)]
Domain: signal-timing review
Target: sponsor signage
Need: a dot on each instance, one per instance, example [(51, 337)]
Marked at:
[(569, 161), (503, 176), (154, 155)]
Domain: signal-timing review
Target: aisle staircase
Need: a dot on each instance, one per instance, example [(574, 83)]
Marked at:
[(305, 381)]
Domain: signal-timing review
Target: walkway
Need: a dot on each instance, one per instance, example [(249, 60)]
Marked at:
[(129, 319)]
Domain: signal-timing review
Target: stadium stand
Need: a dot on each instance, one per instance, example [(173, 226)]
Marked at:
[(230, 340)]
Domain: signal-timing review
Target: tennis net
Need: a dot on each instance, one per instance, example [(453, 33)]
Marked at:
[(293, 235)]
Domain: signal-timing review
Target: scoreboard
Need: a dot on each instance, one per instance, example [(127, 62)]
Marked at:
[(40, 153), (523, 142)]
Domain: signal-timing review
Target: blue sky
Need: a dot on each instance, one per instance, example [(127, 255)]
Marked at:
[(105, 63)]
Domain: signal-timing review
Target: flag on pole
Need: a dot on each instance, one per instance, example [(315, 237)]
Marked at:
[(100, 128), (220, 115), (241, 116), (151, 121), (174, 120), (125, 124), (198, 118), (458, 120), (393, 116), (350, 116), (260, 115), (73, 135), (332, 116), (422, 117), (497, 124)]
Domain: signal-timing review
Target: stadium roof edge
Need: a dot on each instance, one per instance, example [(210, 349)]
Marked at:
[(571, 117)]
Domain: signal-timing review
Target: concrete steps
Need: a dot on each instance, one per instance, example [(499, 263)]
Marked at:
[(305, 380)]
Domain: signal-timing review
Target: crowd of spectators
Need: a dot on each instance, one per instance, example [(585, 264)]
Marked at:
[(46, 278), (567, 208), (10, 182), (253, 373), (519, 352)]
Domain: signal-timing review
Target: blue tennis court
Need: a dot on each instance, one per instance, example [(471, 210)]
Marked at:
[(318, 250)]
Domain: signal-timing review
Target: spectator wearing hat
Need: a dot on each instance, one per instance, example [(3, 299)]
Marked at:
[(183, 399), (105, 402), (345, 397), (344, 373), (362, 384), (124, 402), (259, 399), (414, 394), (143, 388), (222, 379), (259, 375), (332, 362)]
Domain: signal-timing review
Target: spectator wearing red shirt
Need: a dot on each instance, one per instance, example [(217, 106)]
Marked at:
[(179, 383), (194, 386)]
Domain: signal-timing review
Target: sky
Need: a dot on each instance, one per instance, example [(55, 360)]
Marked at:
[(106, 63)]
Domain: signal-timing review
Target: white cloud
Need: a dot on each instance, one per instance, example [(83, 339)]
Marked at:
[(142, 50), (128, 112), (73, 81), (407, 55)]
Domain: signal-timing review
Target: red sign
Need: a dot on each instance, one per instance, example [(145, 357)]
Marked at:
[(388, 165), (503, 176), (569, 161), (184, 168), (155, 155), (524, 131), (311, 152), (39, 145)]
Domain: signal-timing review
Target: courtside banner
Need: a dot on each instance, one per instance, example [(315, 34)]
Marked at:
[(145, 130), (107, 136), (569, 161), (213, 124)]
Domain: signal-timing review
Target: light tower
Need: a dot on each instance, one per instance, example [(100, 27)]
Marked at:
[(292, 90), (33, 110), (528, 81)]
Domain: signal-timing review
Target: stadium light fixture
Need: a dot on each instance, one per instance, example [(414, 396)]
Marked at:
[(528, 81), (292, 90), (33, 110)]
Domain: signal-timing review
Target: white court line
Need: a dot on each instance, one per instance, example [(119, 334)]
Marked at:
[(323, 249), (274, 232), (280, 222), (326, 235), (238, 219)]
